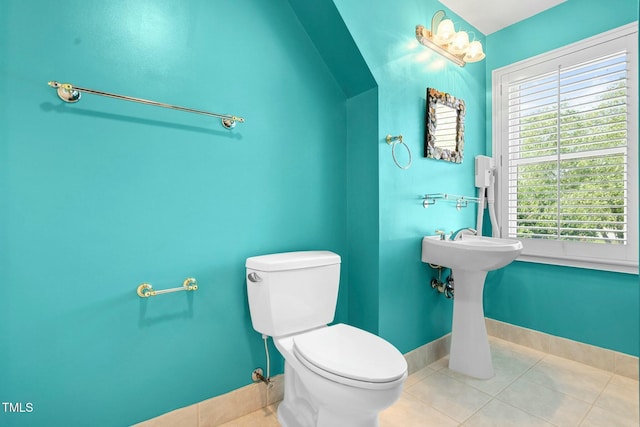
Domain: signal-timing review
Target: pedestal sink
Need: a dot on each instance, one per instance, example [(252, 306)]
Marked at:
[(470, 258)]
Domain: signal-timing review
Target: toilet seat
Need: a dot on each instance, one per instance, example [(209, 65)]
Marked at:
[(350, 356)]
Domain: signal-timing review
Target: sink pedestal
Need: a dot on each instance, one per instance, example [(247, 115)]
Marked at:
[(470, 258), (470, 353)]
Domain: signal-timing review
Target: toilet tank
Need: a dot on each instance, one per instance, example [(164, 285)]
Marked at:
[(292, 292)]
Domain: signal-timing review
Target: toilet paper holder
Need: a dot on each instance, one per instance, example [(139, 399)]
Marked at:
[(145, 290)]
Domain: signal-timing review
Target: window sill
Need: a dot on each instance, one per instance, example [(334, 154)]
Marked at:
[(591, 264)]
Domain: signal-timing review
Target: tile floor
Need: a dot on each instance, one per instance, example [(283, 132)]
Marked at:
[(530, 388)]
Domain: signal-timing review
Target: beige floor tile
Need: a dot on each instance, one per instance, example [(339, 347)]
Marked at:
[(418, 376), (449, 396), (265, 417), (598, 417), (507, 349), (568, 377), (557, 408), (410, 411), (621, 397), (183, 417), (509, 362), (500, 414)]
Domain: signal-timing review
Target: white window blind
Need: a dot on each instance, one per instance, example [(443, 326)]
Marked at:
[(567, 153), (565, 131)]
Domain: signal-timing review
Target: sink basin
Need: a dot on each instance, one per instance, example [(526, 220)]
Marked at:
[(470, 258), (475, 253)]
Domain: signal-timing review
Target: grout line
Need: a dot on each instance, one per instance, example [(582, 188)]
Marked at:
[(584, 417), (496, 397), (593, 405), (478, 410)]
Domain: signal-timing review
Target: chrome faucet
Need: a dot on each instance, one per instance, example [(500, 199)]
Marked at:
[(456, 235)]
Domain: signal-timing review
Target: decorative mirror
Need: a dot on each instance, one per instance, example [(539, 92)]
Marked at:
[(444, 130)]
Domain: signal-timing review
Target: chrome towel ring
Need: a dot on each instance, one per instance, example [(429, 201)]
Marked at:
[(394, 141)]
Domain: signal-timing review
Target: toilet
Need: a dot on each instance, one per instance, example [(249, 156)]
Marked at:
[(334, 375)]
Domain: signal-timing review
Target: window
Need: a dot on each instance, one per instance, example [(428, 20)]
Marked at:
[(565, 133)]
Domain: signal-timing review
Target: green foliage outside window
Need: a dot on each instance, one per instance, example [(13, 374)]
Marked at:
[(572, 187)]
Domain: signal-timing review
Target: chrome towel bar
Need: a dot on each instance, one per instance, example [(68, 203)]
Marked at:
[(70, 93), (145, 290)]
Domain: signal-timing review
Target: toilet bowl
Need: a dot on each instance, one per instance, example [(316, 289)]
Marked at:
[(338, 376), (334, 375)]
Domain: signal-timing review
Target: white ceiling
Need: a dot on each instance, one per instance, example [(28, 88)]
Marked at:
[(489, 16)]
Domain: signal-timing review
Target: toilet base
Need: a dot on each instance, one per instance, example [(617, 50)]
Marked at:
[(311, 400), (341, 406), (288, 417), (301, 416)]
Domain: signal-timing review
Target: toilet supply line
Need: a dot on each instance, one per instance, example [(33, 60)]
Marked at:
[(257, 374)]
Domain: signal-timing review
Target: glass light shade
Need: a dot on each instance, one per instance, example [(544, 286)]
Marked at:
[(445, 32), (460, 43), (474, 52)]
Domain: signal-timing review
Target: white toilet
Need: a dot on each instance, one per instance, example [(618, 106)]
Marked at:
[(335, 376)]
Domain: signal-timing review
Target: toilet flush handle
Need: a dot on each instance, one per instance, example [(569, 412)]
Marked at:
[(254, 277)]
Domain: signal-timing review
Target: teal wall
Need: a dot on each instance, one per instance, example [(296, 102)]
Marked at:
[(409, 313), (334, 42), (362, 210), (595, 307), (103, 195), (100, 196)]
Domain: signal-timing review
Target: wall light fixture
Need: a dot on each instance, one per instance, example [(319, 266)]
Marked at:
[(453, 45)]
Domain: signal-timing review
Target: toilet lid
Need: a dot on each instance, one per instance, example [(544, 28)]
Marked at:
[(350, 353)]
